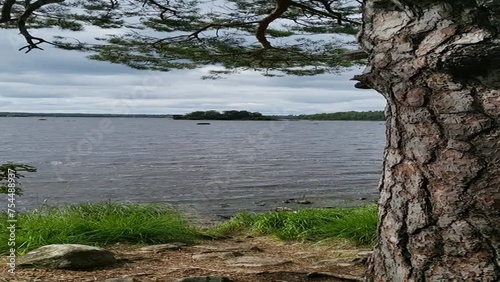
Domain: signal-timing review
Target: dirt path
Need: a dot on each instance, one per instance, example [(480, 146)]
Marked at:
[(243, 259)]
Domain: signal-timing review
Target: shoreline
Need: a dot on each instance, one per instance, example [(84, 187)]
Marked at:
[(208, 212), (222, 210)]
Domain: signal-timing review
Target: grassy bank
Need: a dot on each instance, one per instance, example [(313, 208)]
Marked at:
[(98, 224), (357, 224), (108, 223)]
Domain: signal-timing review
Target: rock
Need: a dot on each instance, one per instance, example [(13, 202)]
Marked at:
[(204, 279), (223, 216), (362, 198), (280, 209), (304, 202), (208, 248), (67, 256), (210, 256), (162, 248), (255, 249), (255, 261), (127, 279)]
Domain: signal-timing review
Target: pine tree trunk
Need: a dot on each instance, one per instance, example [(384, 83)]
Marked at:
[(438, 65)]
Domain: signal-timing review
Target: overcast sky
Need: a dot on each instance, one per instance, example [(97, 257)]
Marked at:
[(62, 81)]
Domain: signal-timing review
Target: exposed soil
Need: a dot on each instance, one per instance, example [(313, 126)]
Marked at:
[(299, 263)]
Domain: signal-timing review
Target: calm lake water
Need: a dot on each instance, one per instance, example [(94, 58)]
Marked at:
[(211, 169)]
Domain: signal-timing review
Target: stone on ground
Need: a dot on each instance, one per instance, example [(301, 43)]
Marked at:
[(252, 261), (67, 256), (162, 248)]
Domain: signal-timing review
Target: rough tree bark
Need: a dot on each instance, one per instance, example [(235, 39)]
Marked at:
[(438, 65)]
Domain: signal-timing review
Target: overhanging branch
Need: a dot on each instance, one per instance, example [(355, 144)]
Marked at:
[(280, 8), (33, 42)]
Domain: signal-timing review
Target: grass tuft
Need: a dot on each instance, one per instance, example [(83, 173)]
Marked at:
[(356, 224), (98, 224)]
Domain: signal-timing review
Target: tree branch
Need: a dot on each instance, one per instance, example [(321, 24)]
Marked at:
[(196, 33), (328, 8), (21, 23), (165, 9), (281, 7), (334, 15), (6, 10)]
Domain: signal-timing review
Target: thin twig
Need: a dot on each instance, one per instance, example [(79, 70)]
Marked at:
[(335, 15)]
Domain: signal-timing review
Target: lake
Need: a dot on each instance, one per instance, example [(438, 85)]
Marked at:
[(211, 169)]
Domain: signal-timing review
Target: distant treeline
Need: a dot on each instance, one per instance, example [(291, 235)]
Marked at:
[(371, 115), (226, 115), (215, 115), (11, 114)]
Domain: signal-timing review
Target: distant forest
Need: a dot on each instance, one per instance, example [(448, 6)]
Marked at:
[(371, 115), (226, 115), (215, 115)]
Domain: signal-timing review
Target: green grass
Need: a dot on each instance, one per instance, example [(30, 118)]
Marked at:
[(356, 224), (98, 224), (108, 223)]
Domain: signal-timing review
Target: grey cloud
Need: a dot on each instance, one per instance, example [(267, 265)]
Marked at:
[(62, 81)]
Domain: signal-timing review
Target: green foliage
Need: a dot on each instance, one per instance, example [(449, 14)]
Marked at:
[(370, 115), (98, 224), (185, 34), (11, 171), (356, 224), (226, 115)]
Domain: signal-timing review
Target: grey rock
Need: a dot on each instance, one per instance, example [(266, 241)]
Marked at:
[(252, 261), (162, 248), (304, 202), (255, 249), (204, 279), (67, 256), (280, 209)]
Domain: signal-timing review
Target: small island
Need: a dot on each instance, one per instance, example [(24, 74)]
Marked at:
[(226, 115)]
